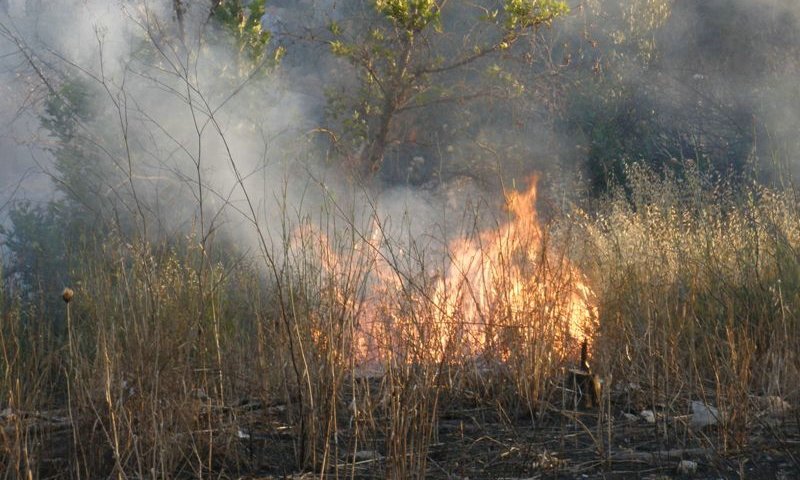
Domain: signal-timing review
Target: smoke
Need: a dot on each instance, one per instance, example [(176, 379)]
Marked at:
[(677, 81), (178, 135), (188, 137), (21, 176), (179, 130)]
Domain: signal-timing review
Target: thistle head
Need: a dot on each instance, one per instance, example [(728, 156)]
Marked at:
[(67, 294)]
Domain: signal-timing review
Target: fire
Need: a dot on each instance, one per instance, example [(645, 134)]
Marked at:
[(508, 287), (501, 290)]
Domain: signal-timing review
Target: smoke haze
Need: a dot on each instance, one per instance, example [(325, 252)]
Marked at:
[(176, 122)]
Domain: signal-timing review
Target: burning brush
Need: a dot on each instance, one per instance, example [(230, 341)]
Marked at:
[(508, 286), (506, 293)]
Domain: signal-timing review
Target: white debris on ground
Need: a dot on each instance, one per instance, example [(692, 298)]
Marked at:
[(704, 415), (648, 416), (687, 467)]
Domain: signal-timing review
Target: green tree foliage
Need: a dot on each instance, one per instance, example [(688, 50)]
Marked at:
[(610, 114), (665, 82), (94, 164), (420, 54), (411, 15), (40, 237), (82, 173), (532, 13), (36, 247), (243, 21)]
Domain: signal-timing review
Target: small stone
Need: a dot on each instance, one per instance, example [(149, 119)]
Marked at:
[(704, 415), (648, 416), (687, 467)]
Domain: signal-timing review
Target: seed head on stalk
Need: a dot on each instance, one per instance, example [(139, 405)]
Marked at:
[(67, 294)]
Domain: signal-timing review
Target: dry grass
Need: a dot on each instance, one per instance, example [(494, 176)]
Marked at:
[(698, 286), (172, 365)]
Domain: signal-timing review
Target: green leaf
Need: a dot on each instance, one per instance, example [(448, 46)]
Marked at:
[(522, 14), (412, 15)]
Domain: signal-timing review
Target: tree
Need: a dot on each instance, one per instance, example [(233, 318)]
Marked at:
[(416, 55), (671, 83), (90, 120), (244, 21)]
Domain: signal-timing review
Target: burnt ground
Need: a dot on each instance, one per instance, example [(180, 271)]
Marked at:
[(475, 440), (487, 442)]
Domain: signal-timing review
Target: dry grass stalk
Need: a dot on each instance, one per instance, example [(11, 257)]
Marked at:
[(694, 294)]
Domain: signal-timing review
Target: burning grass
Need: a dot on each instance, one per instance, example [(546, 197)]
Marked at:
[(500, 289), (360, 356)]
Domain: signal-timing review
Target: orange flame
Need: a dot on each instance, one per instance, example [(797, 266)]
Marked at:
[(500, 290), (506, 287)]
